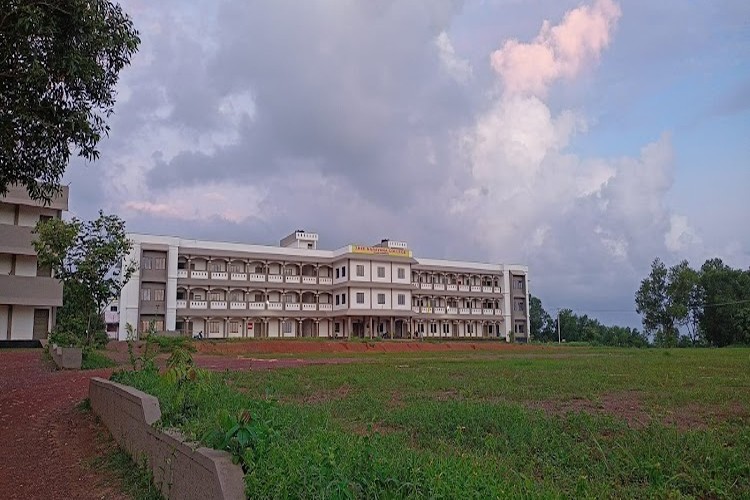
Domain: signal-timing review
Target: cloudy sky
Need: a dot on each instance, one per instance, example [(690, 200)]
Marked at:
[(580, 138)]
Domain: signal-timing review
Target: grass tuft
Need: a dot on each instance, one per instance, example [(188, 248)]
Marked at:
[(136, 479), (93, 360)]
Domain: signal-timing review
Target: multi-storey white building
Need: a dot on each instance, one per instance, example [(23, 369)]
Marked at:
[(29, 294), (230, 290)]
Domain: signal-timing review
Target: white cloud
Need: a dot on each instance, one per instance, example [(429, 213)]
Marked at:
[(680, 237), (459, 69), (528, 196), (557, 51)]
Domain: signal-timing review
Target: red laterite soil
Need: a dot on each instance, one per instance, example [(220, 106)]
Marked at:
[(47, 445)]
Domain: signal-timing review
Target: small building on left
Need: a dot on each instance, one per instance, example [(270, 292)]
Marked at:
[(29, 294)]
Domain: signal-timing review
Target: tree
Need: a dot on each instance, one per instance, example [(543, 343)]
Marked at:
[(73, 318), (542, 325), (685, 299), (59, 64), (653, 303), (725, 316), (89, 259), (568, 325)]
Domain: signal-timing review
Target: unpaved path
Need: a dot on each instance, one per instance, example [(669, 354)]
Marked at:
[(47, 445)]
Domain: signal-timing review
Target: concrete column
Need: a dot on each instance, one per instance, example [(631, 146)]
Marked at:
[(393, 327), (371, 327), (130, 296), (170, 319)]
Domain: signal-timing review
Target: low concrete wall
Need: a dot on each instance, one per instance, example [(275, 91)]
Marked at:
[(67, 358), (179, 470)]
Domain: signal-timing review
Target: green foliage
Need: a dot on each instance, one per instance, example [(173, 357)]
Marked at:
[(89, 259), (725, 319), (59, 66), (653, 302), (146, 362), (93, 360), (542, 324), (246, 437), (710, 305), (168, 344), (460, 425), (180, 366), (73, 320)]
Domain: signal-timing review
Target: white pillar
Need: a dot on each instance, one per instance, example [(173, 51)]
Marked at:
[(170, 320)]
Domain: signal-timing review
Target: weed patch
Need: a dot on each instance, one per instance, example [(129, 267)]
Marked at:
[(581, 422), (93, 360)]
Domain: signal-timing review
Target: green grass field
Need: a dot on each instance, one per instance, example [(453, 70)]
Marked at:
[(583, 422)]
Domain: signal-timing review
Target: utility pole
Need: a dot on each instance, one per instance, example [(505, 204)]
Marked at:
[(559, 339)]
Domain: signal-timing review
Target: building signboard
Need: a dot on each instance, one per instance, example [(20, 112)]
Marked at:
[(391, 252)]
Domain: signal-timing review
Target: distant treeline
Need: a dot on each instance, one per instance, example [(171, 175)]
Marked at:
[(679, 305), (575, 328)]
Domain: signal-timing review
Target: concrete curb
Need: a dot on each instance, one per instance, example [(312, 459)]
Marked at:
[(67, 358), (179, 470)]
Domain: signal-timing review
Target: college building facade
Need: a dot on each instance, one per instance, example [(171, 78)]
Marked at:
[(29, 294), (230, 290)]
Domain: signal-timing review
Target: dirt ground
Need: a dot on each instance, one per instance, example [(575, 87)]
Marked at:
[(337, 347), (48, 445)]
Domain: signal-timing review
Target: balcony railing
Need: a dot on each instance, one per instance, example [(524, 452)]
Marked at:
[(498, 312), (182, 273), (198, 304), (439, 310), (291, 306), (415, 309), (181, 304), (463, 288), (256, 306), (325, 281), (275, 306), (451, 288), (257, 277), (438, 286), (488, 312), (218, 275), (464, 310), (237, 305), (218, 304), (476, 311), (275, 278), (238, 277), (486, 289), (309, 280), (292, 279), (415, 284), (452, 310), (425, 286), (199, 275), (309, 307), (498, 290), (476, 288), (325, 307)]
